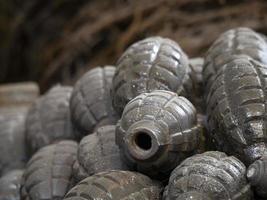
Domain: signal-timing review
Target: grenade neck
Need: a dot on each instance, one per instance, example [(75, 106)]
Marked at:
[(145, 139)]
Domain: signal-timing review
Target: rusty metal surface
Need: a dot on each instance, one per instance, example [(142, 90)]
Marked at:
[(157, 131)]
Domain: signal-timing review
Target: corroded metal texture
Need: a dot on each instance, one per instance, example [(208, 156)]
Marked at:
[(232, 43), (208, 176), (10, 185), (48, 175), (116, 185), (157, 131), (91, 104), (151, 64), (13, 152), (49, 119), (97, 152), (236, 108), (257, 175)]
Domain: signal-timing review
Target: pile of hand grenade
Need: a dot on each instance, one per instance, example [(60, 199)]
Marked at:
[(157, 125)]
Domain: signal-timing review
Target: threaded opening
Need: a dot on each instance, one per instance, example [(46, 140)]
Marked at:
[(143, 141)]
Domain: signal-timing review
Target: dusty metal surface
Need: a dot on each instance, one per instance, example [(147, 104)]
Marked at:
[(154, 63), (116, 185), (97, 152), (157, 131), (90, 102), (48, 119), (208, 176)]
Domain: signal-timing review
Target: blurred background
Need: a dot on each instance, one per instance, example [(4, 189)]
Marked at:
[(50, 41)]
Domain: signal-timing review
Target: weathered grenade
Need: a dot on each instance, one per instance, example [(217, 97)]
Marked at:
[(13, 152), (48, 174), (49, 119), (97, 152), (157, 131), (234, 42), (257, 175), (151, 64), (208, 176), (116, 185), (236, 109), (10, 185), (91, 104)]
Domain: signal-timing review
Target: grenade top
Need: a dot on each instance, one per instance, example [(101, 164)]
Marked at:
[(156, 131), (154, 63), (208, 176), (232, 43), (90, 103), (49, 119), (236, 108), (97, 152), (116, 185)]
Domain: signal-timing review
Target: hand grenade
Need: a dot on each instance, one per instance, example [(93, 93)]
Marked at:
[(232, 43), (97, 152), (236, 109), (90, 104), (10, 185), (48, 175), (116, 185), (208, 176), (49, 119), (154, 63), (13, 151), (157, 131)]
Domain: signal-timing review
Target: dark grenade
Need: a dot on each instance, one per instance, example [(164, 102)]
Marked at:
[(151, 64), (232, 43), (208, 176), (236, 108), (257, 175), (10, 185), (116, 185), (97, 152), (197, 94), (48, 174), (90, 104), (157, 131), (13, 152), (49, 119)]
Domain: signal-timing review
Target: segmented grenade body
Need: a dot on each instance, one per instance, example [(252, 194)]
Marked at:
[(208, 176), (116, 185), (97, 152), (151, 64), (236, 108), (232, 43), (10, 185), (49, 119), (91, 105), (13, 151), (157, 131), (48, 175)]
